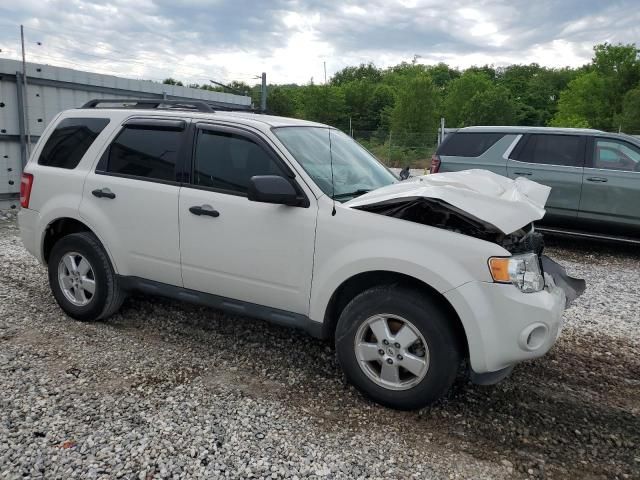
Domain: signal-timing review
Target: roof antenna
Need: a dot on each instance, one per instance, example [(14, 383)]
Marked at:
[(333, 185)]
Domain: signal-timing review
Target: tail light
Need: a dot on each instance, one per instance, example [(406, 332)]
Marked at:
[(25, 189), (435, 163)]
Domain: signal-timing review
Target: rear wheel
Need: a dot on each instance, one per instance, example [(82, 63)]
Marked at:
[(398, 347), (82, 279)]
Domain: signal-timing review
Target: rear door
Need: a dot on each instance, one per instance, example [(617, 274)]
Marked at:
[(554, 160), (131, 199), (611, 190)]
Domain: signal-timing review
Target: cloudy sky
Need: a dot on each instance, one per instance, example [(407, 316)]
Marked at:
[(198, 40)]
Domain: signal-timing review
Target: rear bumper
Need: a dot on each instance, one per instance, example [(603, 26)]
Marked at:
[(505, 326), (28, 221)]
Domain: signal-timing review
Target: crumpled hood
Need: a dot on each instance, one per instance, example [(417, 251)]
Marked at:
[(504, 203)]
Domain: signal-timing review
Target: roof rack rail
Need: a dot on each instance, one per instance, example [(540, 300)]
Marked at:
[(196, 105)]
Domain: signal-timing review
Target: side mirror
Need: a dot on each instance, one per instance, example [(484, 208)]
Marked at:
[(272, 189)]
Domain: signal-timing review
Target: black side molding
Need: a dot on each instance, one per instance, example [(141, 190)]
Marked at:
[(227, 305)]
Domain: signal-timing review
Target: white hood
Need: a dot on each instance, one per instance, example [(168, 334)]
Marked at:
[(504, 203)]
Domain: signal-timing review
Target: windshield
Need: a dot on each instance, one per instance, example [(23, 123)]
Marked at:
[(355, 171)]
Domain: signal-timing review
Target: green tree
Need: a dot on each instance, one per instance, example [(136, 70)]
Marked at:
[(414, 117), (543, 92), (486, 70), (364, 71), (459, 94), (281, 101), (493, 106), (629, 119), (324, 104), (620, 63), (171, 81), (585, 102), (365, 101), (382, 104), (357, 96), (397, 75), (535, 90), (442, 74)]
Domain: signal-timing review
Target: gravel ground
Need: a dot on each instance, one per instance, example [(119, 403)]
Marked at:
[(169, 390)]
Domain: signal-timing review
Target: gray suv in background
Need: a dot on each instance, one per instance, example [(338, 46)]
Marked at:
[(594, 176)]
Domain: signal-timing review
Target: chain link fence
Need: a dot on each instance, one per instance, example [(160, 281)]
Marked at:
[(400, 149)]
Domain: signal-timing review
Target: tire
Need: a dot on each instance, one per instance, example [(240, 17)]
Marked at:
[(436, 365), (107, 296)]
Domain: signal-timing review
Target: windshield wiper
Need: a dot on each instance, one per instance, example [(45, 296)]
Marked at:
[(355, 193)]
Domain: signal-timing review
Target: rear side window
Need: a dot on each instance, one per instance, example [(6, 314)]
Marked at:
[(566, 150), (468, 144), (70, 140), (146, 152)]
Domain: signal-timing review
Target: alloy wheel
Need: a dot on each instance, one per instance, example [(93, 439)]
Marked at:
[(391, 351), (77, 279)]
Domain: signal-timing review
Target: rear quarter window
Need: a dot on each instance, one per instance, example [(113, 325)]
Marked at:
[(70, 140), (468, 144)]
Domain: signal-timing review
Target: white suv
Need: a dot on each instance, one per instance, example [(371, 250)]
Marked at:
[(269, 217)]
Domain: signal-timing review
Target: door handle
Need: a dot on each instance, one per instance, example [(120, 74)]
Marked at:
[(204, 210), (526, 174), (103, 193), (597, 179)]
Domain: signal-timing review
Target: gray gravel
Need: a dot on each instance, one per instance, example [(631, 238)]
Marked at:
[(169, 390)]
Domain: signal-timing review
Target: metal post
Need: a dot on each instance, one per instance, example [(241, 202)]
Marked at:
[(263, 94), (23, 143), (325, 72), (389, 147), (441, 134), (25, 103)]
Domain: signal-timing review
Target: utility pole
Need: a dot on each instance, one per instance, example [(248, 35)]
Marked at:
[(325, 72), (25, 95), (263, 94)]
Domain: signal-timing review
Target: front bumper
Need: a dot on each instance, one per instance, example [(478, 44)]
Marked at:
[(505, 326)]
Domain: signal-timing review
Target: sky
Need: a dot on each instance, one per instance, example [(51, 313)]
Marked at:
[(292, 40)]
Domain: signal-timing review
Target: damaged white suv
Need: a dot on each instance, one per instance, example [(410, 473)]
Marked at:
[(294, 222)]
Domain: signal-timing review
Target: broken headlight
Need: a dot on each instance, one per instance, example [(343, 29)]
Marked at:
[(521, 270)]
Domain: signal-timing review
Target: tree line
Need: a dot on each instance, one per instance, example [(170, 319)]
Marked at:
[(406, 101)]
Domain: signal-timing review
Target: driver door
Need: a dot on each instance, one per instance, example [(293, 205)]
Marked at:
[(254, 252)]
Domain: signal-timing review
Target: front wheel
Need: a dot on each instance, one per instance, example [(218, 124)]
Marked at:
[(398, 347), (82, 279)]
